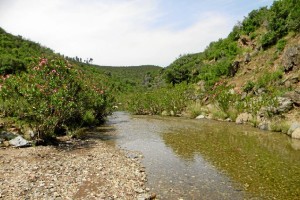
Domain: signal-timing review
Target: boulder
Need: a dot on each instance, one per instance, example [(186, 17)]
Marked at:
[(294, 96), (234, 68), (19, 141), (291, 58), (296, 133), (293, 127), (285, 104), (247, 58), (7, 135), (243, 118)]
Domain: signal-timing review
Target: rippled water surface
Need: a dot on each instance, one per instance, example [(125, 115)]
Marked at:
[(202, 159)]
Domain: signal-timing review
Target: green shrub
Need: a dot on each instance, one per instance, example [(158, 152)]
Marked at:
[(89, 118), (154, 102), (281, 44), (194, 109), (280, 126), (294, 17), (11, 65), (222, 95), (269, 39)]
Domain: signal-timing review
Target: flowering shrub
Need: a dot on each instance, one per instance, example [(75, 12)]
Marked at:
[(53, 97)]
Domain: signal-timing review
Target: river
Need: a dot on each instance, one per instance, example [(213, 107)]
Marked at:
[(204, 159)]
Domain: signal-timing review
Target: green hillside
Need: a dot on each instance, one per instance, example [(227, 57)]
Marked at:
[(52, 94), (133, 78), (251, 76), (263, 28), (16, 52)]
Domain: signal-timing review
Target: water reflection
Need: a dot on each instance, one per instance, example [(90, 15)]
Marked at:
[(203, 159), (262, 162)]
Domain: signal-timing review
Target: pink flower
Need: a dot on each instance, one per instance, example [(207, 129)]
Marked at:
[(43, 62)]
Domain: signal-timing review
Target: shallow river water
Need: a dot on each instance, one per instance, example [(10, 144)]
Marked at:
[(203, 159)]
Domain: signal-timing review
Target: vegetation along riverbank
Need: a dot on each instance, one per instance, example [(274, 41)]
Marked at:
[(252, 76)]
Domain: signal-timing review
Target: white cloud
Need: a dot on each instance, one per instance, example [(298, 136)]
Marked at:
[(115, 32)]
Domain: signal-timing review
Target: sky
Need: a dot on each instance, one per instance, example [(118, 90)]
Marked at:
[(125, 32)]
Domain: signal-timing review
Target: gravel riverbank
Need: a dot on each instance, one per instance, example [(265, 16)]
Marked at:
[(78, 169)]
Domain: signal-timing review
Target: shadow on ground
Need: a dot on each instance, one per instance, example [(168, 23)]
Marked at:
[(88, 138)]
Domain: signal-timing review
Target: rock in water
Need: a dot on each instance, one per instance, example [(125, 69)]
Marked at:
[(19, 141), (293, 127), (296, 133)]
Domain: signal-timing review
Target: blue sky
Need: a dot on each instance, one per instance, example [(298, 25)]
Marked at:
[(125, 32)]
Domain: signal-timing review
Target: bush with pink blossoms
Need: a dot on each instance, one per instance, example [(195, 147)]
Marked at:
[(53, 97)]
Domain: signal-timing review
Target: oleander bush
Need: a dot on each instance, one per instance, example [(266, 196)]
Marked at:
[(53, 97)]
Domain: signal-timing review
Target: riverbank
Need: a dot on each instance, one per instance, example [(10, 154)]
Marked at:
[(76, 169)]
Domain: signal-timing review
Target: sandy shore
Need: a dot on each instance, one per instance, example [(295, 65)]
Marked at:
[(78, 169)]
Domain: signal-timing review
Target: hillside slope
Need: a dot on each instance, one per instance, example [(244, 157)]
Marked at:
[(50, 94), (251, 76)]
